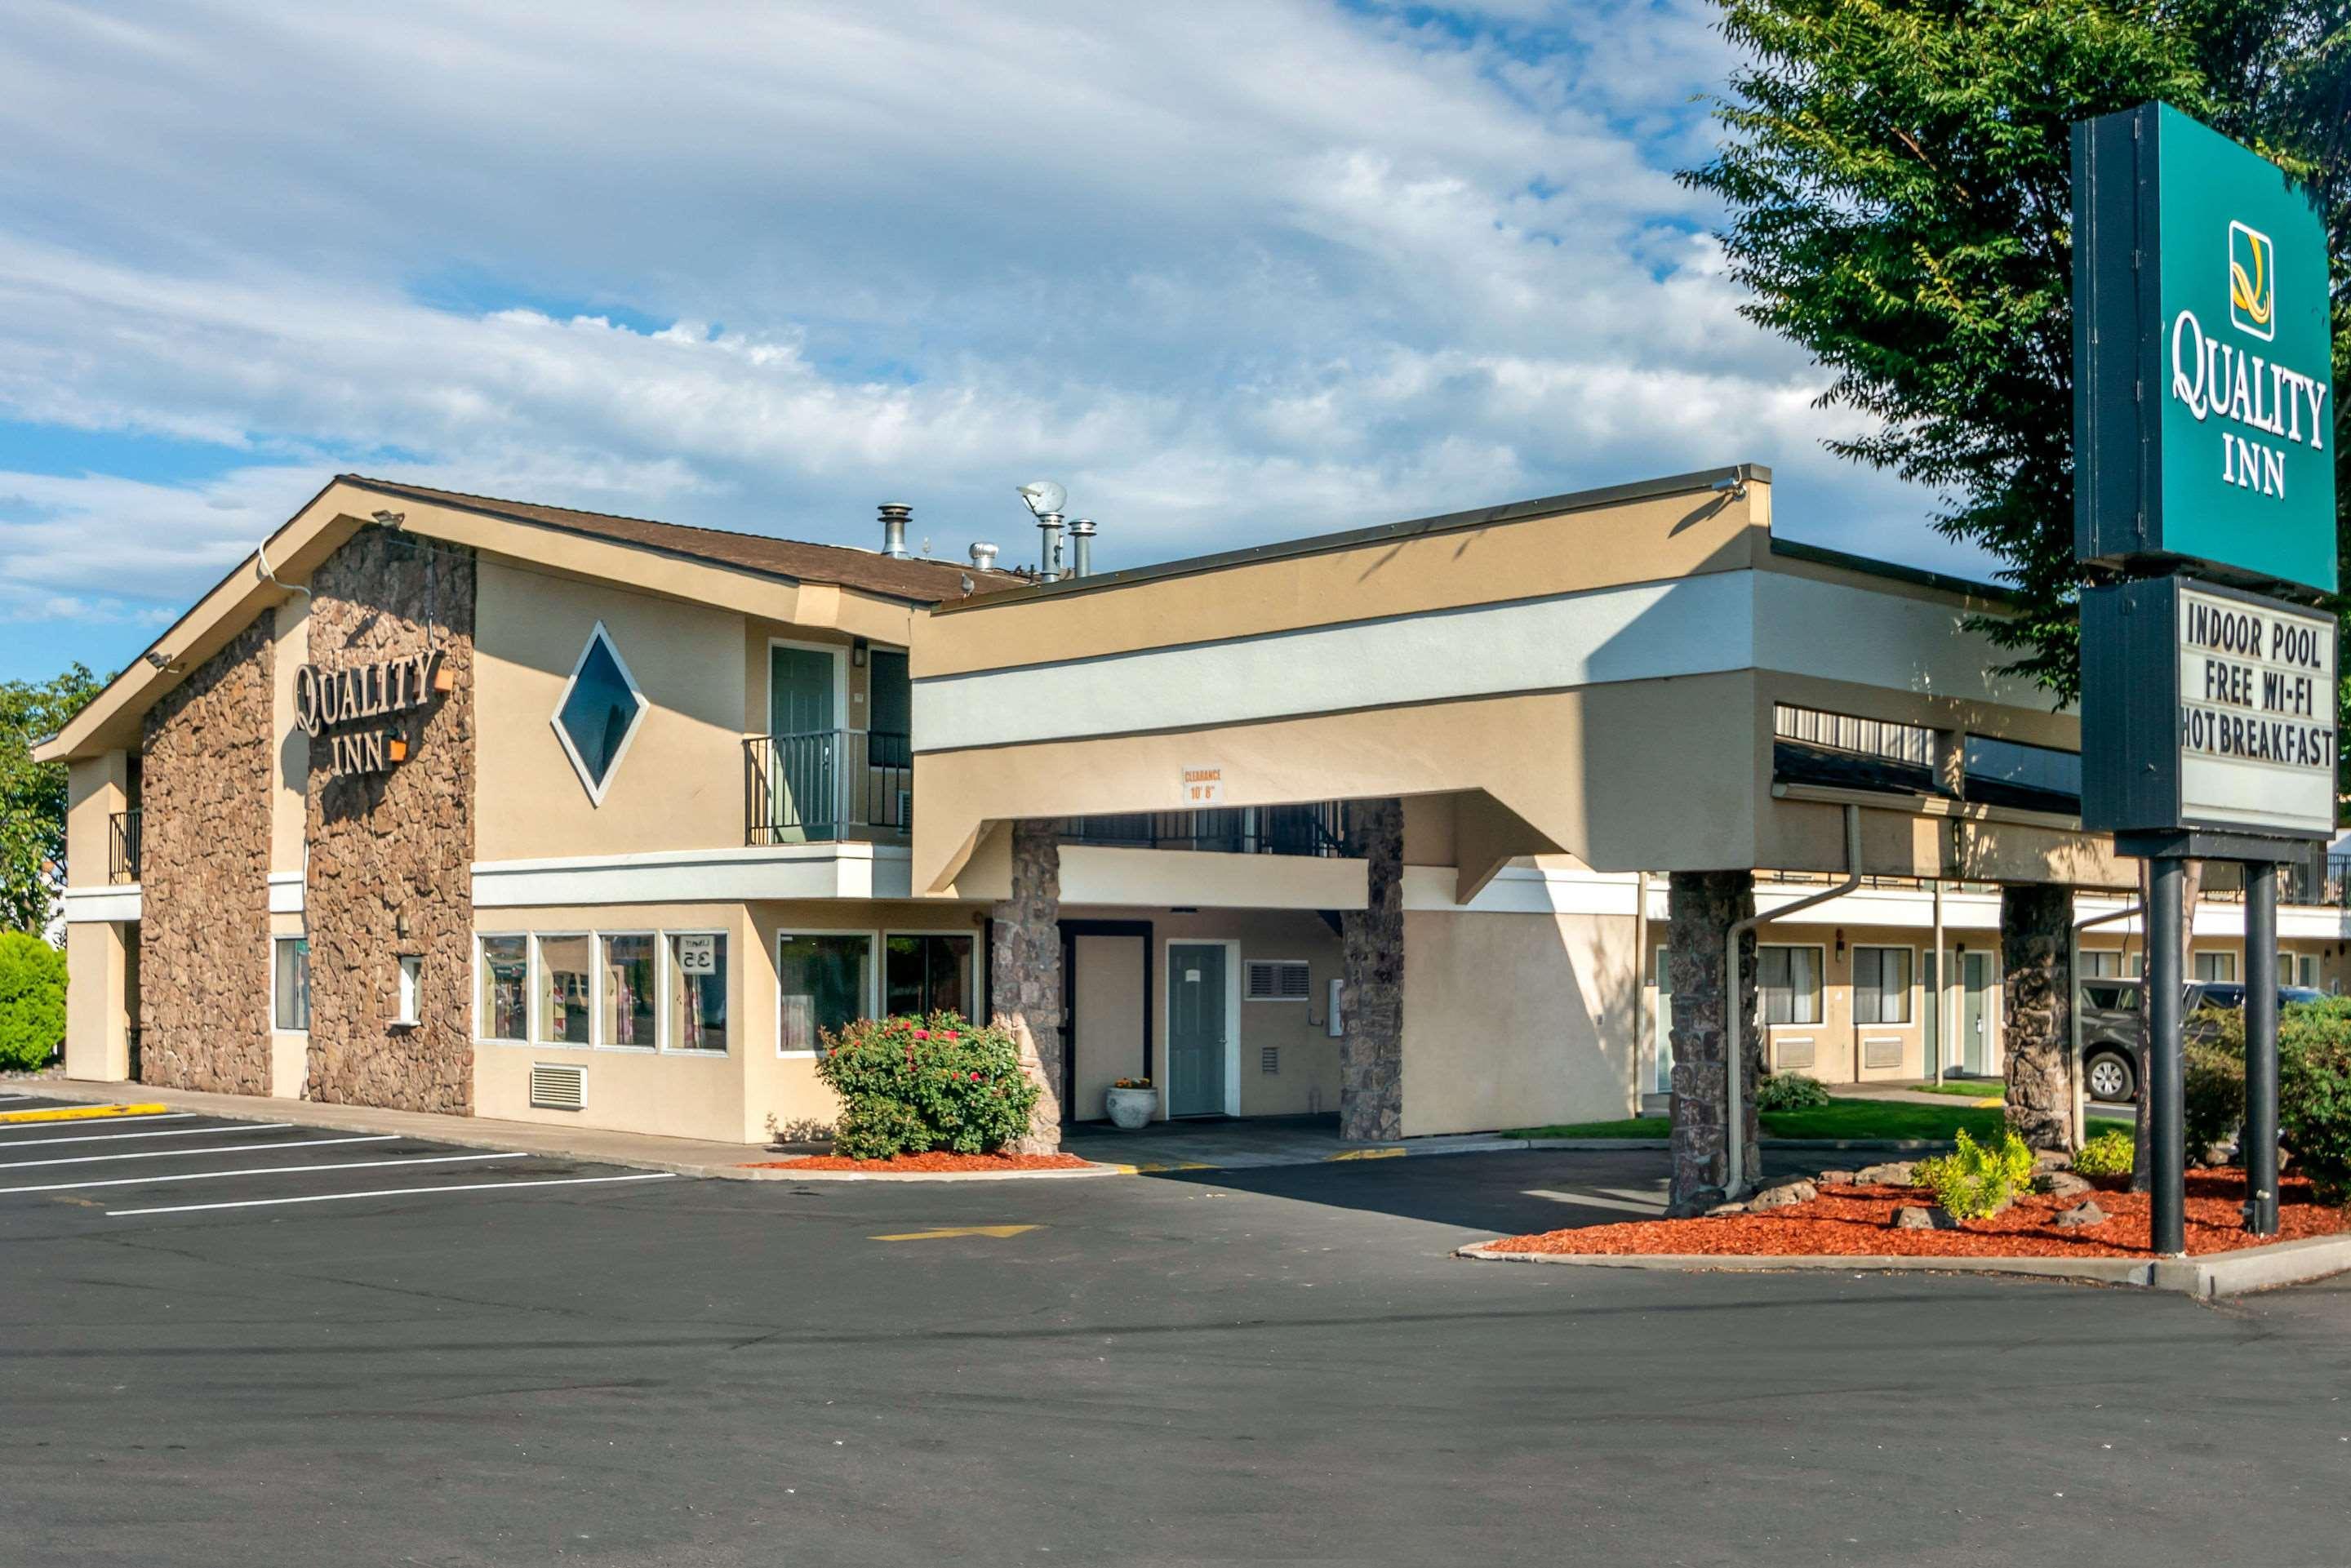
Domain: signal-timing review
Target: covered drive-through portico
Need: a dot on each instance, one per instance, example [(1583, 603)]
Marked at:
[(1639, 679)]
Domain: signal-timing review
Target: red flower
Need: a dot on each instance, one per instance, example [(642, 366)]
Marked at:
[(948, 1034), (975, 1078), (922, 1034)]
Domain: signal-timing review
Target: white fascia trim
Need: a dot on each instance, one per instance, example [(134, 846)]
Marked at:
[(850, 870), (286, 892), (102, 903)]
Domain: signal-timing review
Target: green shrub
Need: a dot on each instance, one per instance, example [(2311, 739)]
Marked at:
[(1975, 1182), (2315, 1091), (2212, 1092), (2111, 1153), (1790, 1092), (32, 1000), (912, 1086)]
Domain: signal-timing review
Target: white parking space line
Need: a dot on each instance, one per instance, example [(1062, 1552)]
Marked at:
[(395, 1192), (256, 1171), (190, 1153), (161, 1116), (1587, 1200)]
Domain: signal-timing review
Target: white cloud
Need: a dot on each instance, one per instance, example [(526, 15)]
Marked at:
[(1231, 271)]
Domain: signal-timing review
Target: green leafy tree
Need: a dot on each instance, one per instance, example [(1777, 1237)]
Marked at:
[(1899, 179), (33, 794), (32, 1000)]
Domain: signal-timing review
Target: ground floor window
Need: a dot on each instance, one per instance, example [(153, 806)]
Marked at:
[(291, 990), (565, 995), (2101, 963), (501, 1010), (698, 991), (2220, 966), (1790, 982), (1881, 985), (411, 991), (629, 990), (826, 978), (927, 974), (1664, 977)]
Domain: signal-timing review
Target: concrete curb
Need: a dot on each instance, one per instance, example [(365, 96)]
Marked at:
[(788, 1175), (2208, 1278)]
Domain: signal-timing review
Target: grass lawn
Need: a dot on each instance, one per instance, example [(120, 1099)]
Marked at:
[(1974, 1088), (1845, 1119)]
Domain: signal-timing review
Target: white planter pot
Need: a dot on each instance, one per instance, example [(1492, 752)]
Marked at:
[(1131, 1108)]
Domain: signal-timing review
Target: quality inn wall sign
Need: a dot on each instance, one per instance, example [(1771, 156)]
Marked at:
[(327, 701)]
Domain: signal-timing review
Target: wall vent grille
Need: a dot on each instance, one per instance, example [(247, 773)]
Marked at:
[(1268, 1061), (1278, 980), (554, 1087), (1885, 1051), (1793, 1052)]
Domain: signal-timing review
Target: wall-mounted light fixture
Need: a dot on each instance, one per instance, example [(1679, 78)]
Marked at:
[(1839, 942), (857, 654)]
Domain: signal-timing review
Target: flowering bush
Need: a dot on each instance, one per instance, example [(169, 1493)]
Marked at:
[(910, 1085)]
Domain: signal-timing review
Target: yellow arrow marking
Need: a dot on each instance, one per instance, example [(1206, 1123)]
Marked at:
[(996, 1230), (81, 1113), (1161, 1169), (1370, 1154)]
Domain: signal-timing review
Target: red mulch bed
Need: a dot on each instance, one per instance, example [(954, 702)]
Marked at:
[(930, 1163), (1852, 1220)]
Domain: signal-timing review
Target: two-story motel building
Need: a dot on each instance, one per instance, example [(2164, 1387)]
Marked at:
[(456, 804)]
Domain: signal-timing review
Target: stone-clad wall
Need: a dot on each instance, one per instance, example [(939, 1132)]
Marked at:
[(391, 853), (203, 961)]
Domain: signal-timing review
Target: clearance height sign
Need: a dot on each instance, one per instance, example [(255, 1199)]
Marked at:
[(2203, 426), (2204, 409)]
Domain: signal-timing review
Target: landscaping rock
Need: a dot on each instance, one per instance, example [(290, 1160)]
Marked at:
[(1918, 1216), (2083, 1213), (1834, 1179), (1782, 1195), (2219, 1155), (1893, 1173), (2065, 1184), (2052, 1160), (1724, 1211)]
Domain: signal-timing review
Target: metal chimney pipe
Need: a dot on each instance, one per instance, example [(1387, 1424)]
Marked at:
[(1081, 548), (983, 556), (895, 515), (1048, 547)]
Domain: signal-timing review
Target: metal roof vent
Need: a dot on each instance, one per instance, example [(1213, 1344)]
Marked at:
[(983, 556), (1081, 548), (895, 515)]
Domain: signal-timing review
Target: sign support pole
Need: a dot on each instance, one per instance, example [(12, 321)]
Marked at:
[(2167, 1153), (2259, 1141)]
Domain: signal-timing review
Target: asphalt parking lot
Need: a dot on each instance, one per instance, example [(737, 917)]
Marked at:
[(262, 1347)]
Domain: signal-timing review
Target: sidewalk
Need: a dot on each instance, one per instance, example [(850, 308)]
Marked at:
[(1994, 1093), (685, 1156)]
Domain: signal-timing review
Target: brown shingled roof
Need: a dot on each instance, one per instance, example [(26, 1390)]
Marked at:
[(920, 581)]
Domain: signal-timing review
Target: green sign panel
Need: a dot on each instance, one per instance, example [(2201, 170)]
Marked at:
[(2203, 401)]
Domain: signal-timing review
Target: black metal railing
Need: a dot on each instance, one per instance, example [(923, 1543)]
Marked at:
[(122, 847), (1313, 829), (829, 784)]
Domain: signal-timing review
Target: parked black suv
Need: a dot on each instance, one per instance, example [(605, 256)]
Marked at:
[(2110, 1010)]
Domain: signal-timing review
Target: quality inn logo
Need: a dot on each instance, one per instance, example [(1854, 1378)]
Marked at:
[(2252, 282)]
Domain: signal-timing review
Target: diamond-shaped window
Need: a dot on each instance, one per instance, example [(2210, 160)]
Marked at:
[(600, 713)]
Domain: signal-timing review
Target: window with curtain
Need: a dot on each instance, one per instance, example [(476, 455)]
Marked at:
[(629, 991), (504, 975), (2220, 966), (825, 977), (293, 990), (1881, 985), (1790, 978), (926, 975), (697, 997), (564, 990)]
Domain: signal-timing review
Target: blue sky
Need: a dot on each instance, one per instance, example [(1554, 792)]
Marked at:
[(1229, 272)]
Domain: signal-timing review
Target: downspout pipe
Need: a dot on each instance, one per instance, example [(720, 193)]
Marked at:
[(1734, 1099), (2074, 1006)]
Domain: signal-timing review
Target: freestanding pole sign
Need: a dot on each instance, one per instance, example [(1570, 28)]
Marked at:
[(2204, 495)]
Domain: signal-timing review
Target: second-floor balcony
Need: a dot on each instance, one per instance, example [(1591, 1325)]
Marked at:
[(122, 847), (829, 784)]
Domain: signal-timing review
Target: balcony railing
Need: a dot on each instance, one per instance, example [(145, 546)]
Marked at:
[(829, 784), (122, 847), (1313, 829)]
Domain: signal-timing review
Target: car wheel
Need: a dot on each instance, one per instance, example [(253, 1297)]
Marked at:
[(2109, 1078)]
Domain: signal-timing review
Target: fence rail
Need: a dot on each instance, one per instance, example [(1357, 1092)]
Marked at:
[(122, 847), (828, 784), (1318, 829)]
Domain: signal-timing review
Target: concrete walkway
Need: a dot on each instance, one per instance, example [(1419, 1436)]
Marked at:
[(1256, 1144), (1994, 1093), (686, 1157)]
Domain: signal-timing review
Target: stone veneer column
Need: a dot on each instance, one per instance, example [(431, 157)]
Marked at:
[(1024, 970), (1701, 908), (391, 853), (203, 960), (1370, 1052), (2036, 1023)]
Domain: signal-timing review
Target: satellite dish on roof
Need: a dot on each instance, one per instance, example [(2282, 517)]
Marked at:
[(1044, 497)]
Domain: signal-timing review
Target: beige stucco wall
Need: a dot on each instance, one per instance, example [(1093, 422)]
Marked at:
[(1513, 1020), (1107, 999), (289, 1050), (95, 791), (97, 1000), (680, 783), (290, 783)]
